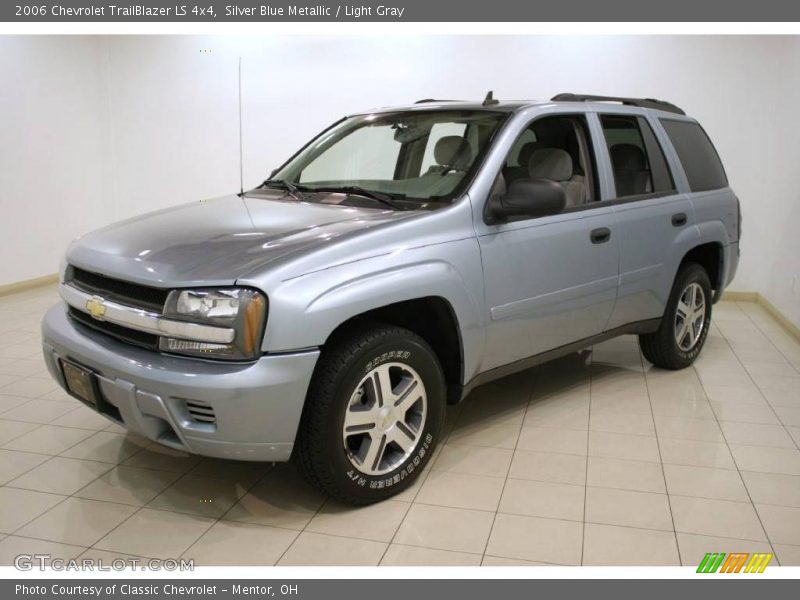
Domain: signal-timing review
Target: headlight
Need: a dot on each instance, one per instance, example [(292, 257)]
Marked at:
[(241, 309), (209, 304)]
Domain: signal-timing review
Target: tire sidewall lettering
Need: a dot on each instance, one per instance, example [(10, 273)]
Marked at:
[(416, 358), (392, 355)]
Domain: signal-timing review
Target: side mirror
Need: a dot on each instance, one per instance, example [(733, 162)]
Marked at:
[(529, 198)]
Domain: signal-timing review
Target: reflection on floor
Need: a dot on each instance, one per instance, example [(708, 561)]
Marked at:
[(598, 458)]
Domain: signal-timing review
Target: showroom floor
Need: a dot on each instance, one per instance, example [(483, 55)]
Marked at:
[(597, 458)]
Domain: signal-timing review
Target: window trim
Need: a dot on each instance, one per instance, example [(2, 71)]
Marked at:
[(623, 200)]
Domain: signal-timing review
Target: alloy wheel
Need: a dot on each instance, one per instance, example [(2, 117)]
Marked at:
[(384, 419), (690, 317)]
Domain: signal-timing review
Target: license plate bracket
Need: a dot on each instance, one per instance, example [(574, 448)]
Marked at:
[(81, 383)]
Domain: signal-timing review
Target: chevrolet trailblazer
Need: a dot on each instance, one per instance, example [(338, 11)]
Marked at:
[(401, 258)]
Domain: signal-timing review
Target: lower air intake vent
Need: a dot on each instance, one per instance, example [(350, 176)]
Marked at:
[(201, 412)]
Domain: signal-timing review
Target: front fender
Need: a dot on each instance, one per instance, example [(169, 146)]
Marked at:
[(305, 310)]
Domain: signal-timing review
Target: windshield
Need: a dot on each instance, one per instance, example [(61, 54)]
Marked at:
[(415, 156)]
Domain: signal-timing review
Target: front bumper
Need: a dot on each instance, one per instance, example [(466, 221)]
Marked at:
[(256, 406)]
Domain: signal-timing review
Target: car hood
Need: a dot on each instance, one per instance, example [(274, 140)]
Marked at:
[(217, 241)]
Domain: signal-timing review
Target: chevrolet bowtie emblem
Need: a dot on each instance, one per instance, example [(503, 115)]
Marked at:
[(96, 307)]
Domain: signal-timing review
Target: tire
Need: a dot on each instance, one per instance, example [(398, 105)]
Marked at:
[(663, 348), (362, 467)]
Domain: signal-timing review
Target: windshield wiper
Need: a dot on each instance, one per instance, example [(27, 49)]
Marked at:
[(356, 190), (284, 184)]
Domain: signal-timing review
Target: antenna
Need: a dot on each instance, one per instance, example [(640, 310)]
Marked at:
[(241, 159), (489, 100)]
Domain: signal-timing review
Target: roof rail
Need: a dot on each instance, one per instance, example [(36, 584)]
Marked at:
[(641, 102), (426, 100)]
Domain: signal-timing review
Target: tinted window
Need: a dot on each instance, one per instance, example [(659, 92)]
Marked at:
[(662, 178), (698, 157), (636, 157)]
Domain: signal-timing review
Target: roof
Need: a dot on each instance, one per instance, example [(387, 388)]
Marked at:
[(582, 102), (508, 106)]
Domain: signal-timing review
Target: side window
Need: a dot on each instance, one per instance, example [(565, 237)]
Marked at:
[(662, 177), (557, 148), (637, 160), (697, 154), (517, 157)]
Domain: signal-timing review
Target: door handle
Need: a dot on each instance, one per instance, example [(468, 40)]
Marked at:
[(679, 219), (600, 235)]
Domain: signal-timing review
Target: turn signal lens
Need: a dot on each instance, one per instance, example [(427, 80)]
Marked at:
[(253, 314)]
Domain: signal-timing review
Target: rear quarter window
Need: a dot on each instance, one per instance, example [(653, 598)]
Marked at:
[(697, 154)]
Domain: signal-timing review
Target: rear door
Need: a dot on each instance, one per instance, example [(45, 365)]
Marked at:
[(655, 220)]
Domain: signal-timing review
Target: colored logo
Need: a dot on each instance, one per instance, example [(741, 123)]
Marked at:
[(735, 562), (96, 307)]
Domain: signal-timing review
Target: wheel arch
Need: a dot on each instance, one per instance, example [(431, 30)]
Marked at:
[(431, 297), (430, 317), (710, 256)]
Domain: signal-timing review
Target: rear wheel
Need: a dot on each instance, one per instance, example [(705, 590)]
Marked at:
[(373, 414), (684, 327)]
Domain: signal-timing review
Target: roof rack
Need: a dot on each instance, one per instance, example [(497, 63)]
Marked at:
[(641, 102)]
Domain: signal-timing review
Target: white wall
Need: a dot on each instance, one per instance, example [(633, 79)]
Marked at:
[(780, 263), (175, 121), (153, 120), (54, 149)]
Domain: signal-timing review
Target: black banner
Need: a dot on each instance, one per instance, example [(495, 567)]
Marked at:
[(702, 587), (154, 11)]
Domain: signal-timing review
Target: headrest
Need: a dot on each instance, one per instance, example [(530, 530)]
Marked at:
[(627, 157), (526, 152), (454, 152), (550, 163)]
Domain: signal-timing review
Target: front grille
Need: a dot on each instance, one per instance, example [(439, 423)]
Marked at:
[(201, 412), (125, 334), (124, 292)]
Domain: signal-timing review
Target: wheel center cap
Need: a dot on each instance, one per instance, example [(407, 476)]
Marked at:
[(386, 418)]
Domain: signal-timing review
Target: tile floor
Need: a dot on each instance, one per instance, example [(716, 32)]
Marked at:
[(598, 458)]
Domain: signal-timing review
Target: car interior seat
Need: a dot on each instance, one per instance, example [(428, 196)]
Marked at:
[(451, 153), (631, 175), (556, 164), (511, 174)]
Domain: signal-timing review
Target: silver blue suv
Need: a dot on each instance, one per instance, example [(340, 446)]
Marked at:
[(401, 258)]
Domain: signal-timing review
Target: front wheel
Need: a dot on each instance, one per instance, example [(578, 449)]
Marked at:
[(373, 414), (687, 319)]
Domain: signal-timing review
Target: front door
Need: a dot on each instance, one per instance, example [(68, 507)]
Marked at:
[(550, 281)]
